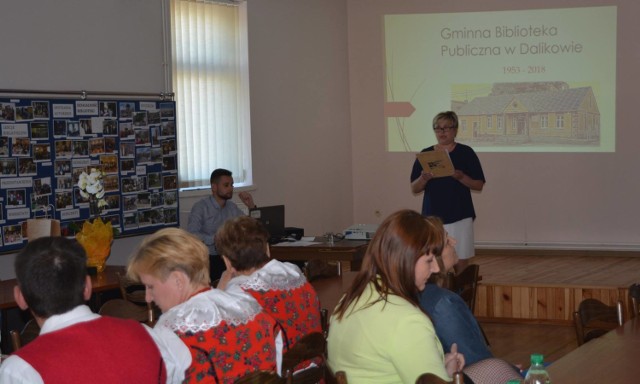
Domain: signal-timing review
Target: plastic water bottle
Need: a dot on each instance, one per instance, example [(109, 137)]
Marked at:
[(537, 374)]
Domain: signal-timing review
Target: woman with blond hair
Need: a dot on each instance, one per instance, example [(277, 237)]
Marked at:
[(449, 197), (225, 335)]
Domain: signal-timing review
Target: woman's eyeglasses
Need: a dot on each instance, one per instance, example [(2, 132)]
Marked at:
[(443, 129)]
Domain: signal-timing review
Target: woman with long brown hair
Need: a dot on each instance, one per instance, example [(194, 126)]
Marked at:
[(378, 332)]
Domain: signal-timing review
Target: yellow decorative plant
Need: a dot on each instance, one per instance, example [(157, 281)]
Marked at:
[(95, 236)]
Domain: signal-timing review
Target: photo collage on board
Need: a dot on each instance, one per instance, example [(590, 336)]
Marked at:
[(46, 144)]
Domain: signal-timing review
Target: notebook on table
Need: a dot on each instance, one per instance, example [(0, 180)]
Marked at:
[(273, 219)]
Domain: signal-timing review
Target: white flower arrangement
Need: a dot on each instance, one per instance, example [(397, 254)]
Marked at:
[(91, 186)]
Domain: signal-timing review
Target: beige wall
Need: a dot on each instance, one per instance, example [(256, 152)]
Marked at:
[(300, 126), (530, 200), (316, 110), (301, 134)]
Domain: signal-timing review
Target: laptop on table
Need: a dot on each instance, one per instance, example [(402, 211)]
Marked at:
[(273, 219)]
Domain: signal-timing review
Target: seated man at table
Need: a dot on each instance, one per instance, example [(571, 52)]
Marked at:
[(280, 288), (76, 345), (208, 214)]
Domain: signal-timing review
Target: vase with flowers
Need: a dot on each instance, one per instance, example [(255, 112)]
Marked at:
[(95, 236)]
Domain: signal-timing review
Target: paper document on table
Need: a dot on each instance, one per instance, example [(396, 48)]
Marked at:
[(437, 162), (301, 243)]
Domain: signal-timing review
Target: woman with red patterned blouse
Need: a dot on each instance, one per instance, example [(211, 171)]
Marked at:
[(224, 335), (281, 288)]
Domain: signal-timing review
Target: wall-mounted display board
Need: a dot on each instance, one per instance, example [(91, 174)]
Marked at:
[(45, 144)]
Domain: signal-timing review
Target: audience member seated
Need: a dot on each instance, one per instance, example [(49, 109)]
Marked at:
[(378, 333), (451, 317), (208, 214), (225, 335), (281, 288), (76, 345)]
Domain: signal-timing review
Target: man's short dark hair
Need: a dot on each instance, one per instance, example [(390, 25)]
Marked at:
[(218, 173), (51, 273)]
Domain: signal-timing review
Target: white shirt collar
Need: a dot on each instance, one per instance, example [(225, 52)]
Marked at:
[(79, 314)]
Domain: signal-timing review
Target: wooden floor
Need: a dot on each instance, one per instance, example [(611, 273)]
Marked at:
[(559, 271), (525, 302), (516, 342), (548, 288)]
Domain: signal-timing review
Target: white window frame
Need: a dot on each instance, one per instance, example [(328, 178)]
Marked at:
[(220, 98)]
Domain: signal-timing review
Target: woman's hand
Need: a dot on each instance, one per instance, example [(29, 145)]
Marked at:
[(453, 361), (467, 181), (426, 176), (419, 184)]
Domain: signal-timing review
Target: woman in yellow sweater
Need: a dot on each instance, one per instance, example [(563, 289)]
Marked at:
[(378, 332)]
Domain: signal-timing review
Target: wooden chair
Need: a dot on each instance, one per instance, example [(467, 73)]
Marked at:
[(136, 293), (465, 284), (594, 318), (324, 321), (634, 298), (320, 269), (30, 331), (430, 378), (124, 309), (338, 377), (311, 347), (131, 290), (261, 377)]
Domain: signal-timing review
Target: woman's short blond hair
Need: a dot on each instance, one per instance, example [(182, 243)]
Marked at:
[(168, 250)]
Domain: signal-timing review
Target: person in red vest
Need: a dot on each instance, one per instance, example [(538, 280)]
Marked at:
[(75, 345)]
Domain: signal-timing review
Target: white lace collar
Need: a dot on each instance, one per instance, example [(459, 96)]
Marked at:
[(273, 276), (208, 309)]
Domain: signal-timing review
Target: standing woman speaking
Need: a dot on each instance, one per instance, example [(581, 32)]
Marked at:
[(450, 197)]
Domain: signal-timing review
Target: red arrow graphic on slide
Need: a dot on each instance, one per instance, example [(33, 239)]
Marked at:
[(398, 109)]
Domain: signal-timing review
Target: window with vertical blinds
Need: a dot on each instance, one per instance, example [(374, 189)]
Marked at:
[(210, 78)]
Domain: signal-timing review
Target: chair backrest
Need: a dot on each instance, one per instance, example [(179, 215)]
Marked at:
[(124, 309), (131, 290), (30, 331), (261, 377), (634, 298), (594, 318), (430, 378), (466, 284), (321, 269), (311, 347), (310, 375), (338, 377), (324, 321)]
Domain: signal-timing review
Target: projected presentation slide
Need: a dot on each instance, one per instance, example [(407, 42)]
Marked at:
[(520, 81)]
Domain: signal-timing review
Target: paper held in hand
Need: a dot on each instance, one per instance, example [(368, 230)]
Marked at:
[(437, 162)]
